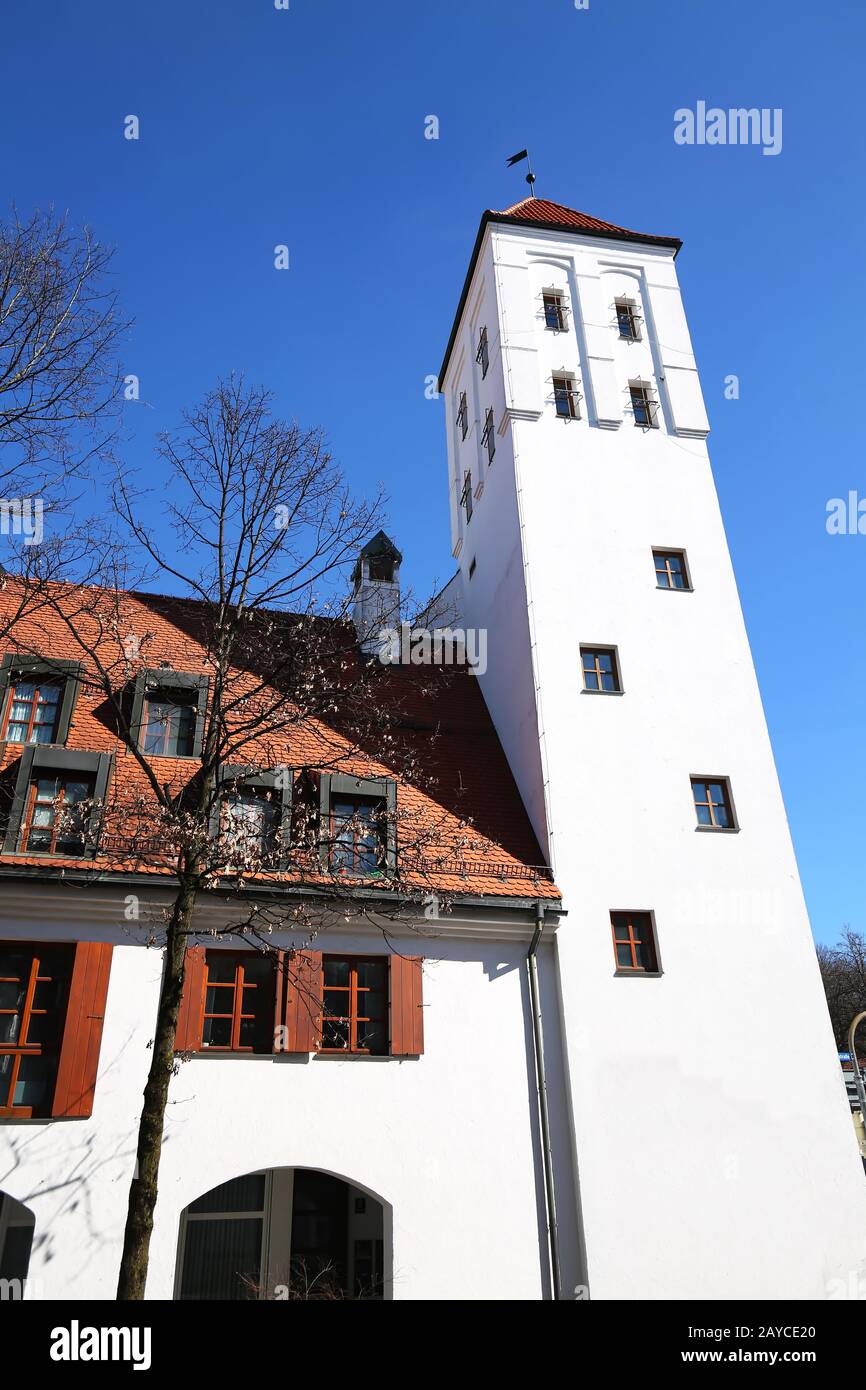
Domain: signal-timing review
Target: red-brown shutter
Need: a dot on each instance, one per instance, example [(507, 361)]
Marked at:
[(407, 1011), (303, 971), (82, 1031), (190, 1017)]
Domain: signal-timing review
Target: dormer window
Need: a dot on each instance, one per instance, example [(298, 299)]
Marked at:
[(488, 438), (554, 311), (463, 416), (357, 825), (482, 357), (37, 698), (56, 805), (168, 713), (627, 320)]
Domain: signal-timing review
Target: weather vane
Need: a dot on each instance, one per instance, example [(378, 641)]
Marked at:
[(530, 177)]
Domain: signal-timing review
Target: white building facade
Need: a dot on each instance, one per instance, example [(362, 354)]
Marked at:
[(695, 1141), (595, 528)]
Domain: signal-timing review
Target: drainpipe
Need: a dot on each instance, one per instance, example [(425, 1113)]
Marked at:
[(544, 1113)]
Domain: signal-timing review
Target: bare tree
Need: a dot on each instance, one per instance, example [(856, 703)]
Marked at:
[(843, 971), (60, 332), (267, 526)]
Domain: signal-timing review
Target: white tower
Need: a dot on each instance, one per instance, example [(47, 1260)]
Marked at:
[(714, 1152)]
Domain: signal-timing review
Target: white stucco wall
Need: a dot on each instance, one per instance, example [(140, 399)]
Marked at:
[(448, 1142), (713, 1141)]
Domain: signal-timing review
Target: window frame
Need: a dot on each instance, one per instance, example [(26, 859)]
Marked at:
[(354, 1018), (19, 1050), (623, 304), (653, 971), (597, 649), (15, 667), (666, 553), (557, 303), (237, 1015), (488, 440), (234, 778), (466, 494), (566, 382), (462, 417), (702, 780), (155, 680), (72, 763), (643, 389), (482, 356), (333, 785)]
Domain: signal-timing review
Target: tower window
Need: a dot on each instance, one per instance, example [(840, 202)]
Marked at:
[(627, 320), (671, 569), (554, 311), (463, 416), (713, 803), (565, 397), (488, 438), (482, 357), (634, 943), (644, 408), (466, 496), (601, 670), (380, 568)]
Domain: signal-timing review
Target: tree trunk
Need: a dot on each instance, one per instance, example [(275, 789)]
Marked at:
[(143, 1188)]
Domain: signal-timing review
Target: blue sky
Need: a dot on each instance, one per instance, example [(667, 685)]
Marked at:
[(306, 127)]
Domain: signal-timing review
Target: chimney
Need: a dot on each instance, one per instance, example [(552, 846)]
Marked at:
[(376, 598)]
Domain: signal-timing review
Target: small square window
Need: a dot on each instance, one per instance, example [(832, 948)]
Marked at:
[(713, 803), (627, 320), (600, 670), (466, 496), (482, 357), (634, 943), (554, 311), (463, 416), (644, 407), (565, 397), (358, 835), (488, 438), (671, 569)]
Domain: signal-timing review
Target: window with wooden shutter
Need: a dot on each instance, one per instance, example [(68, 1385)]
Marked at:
[(82, 1033), (190, 1018), (407, 1011), (303, 975)]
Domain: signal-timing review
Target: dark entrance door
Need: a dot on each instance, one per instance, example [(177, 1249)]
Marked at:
[(319, 1235)]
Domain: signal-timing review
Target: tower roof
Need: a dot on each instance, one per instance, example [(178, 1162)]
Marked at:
[(551, 217)]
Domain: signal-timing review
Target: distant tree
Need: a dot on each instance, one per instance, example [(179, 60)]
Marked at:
[(60, 333), (843, 971)]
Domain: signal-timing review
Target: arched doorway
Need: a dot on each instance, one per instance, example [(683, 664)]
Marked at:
[(283, 1233), (17, 1224)]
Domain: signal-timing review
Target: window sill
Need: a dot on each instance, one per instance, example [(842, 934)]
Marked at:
[(601, 692), (672, 589), (638, 974), (354, 1057), (717, 829)]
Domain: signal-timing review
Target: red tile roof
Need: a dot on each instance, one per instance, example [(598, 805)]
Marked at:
[(555, 217), (483, 844), (542, 212)]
